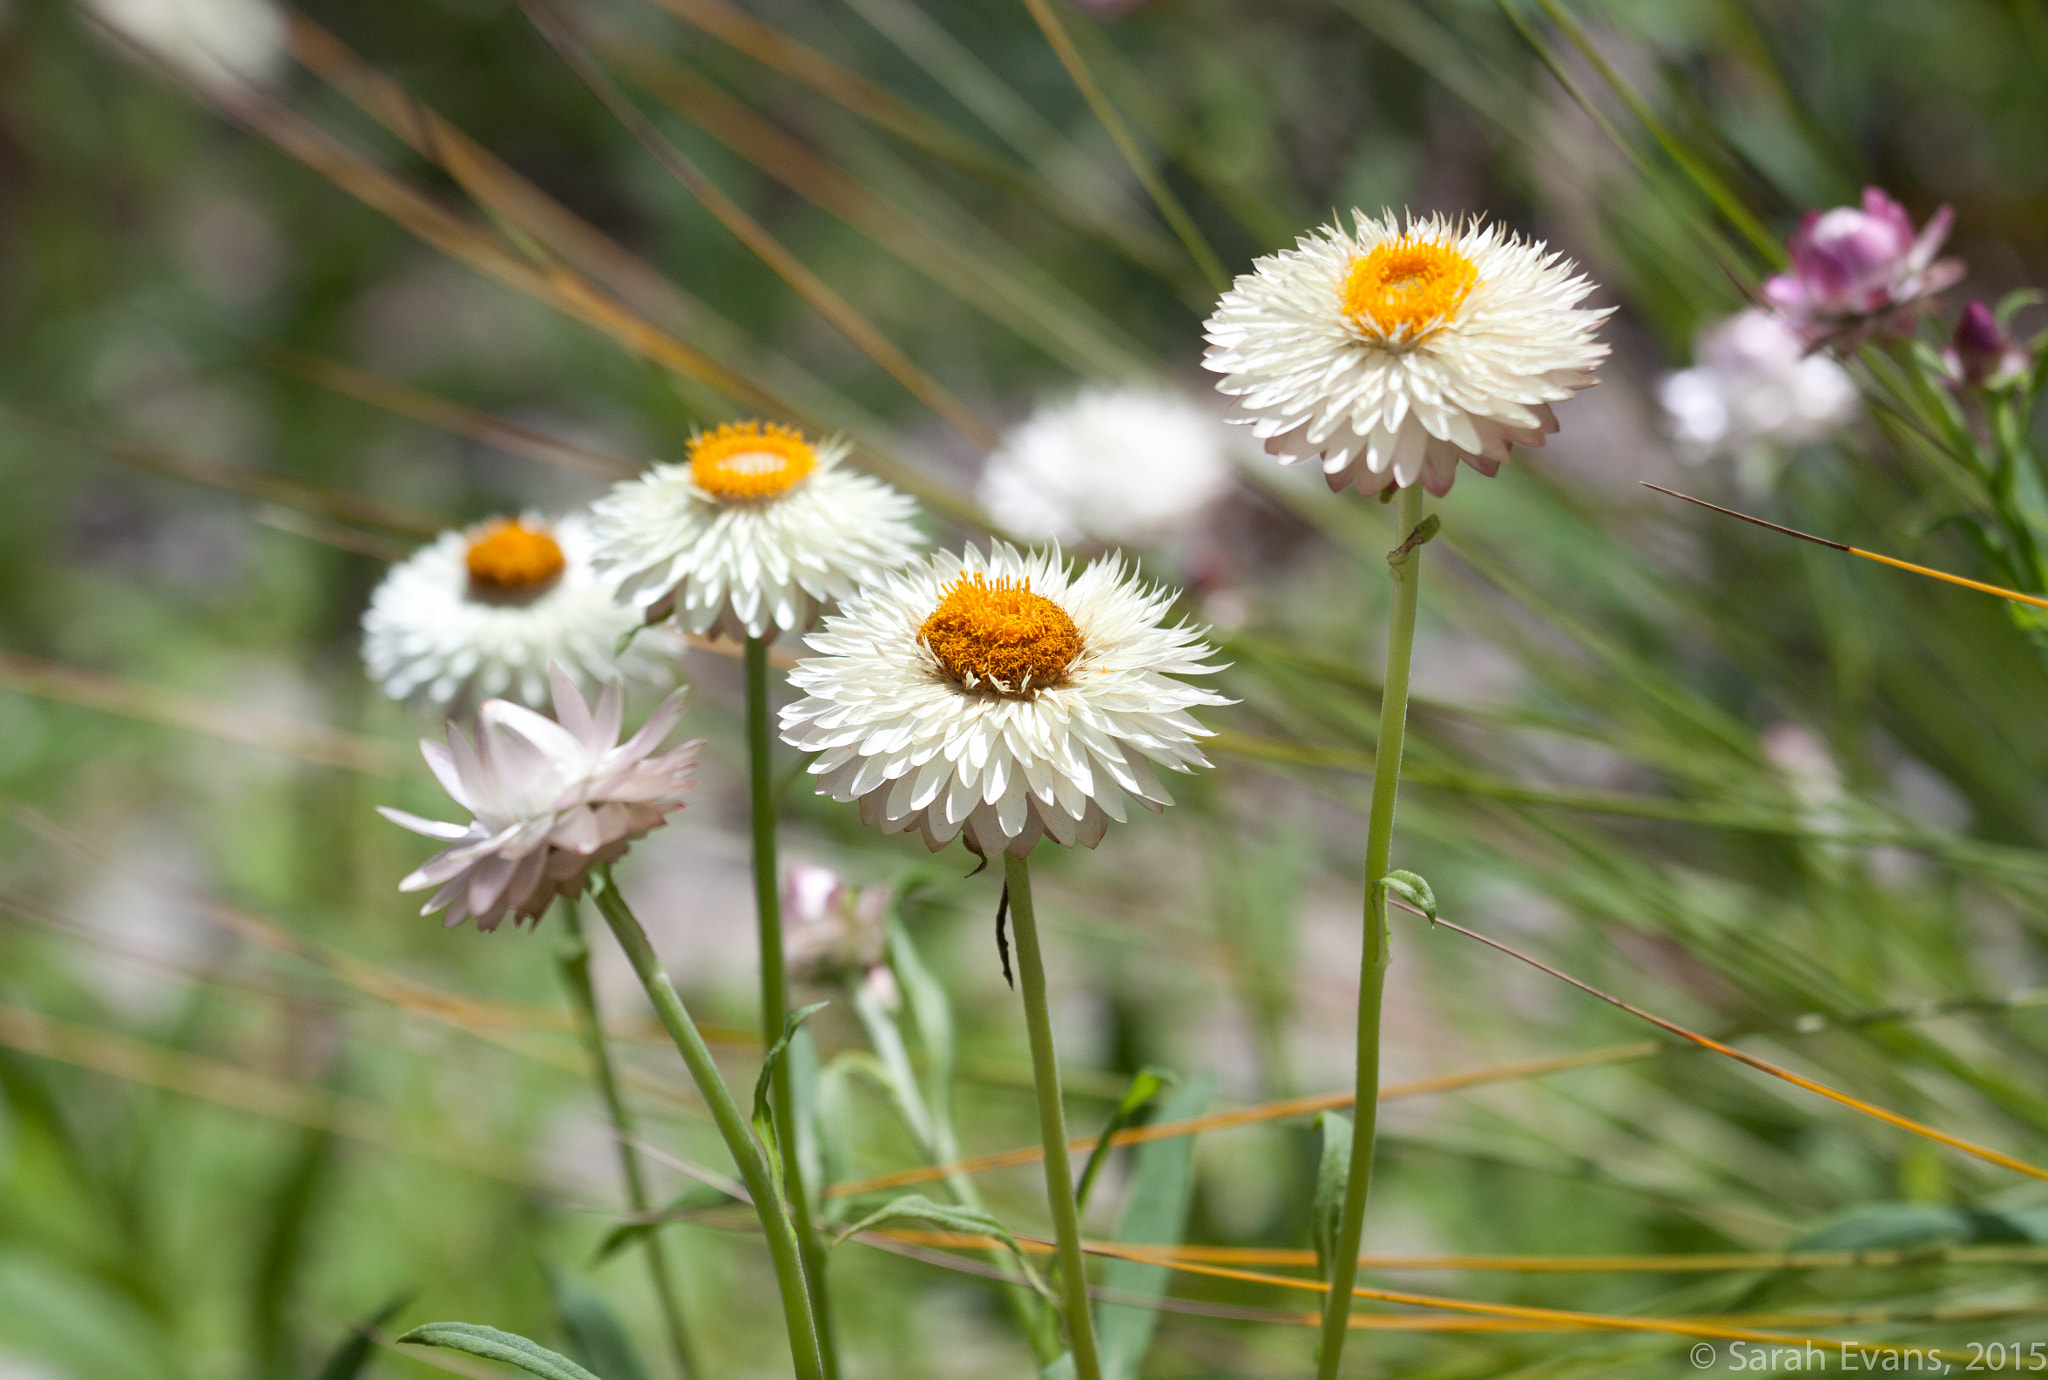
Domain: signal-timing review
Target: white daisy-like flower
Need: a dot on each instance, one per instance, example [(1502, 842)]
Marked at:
[(1120, 465), (1000, 698), (221, 44), (1756, 384), (1392, 352), (751, 535), (484, 611), (551, 800)]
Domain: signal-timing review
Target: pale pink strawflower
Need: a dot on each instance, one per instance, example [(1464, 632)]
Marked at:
[(1983, 354), (1859, 270), (550, 801), (830, 929), (1754, 384)]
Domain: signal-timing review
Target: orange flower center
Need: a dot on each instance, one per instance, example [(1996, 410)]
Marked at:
[(742, 462), (1405, 287), (508, 558), (1001, 635)]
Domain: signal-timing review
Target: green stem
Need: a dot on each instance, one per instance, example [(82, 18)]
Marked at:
[(732, 1126), (775, 988), (1052, 1121), (1386, 783), (574, 963)]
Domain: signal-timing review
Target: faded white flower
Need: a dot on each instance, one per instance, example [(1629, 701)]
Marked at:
[(1756, 384), (221, 44), (830, 928), (550, 801), (1125, 466)]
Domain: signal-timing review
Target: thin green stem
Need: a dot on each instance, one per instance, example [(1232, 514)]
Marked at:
[(574, 963), (732, 1126), (775, 988), (1406, 569), (1052, 1121)]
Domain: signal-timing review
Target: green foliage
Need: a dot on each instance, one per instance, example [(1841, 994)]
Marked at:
[(489, 1344), (1155, 1212)]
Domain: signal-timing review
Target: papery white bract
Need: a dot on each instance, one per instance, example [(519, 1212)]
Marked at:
[(1120, 465), (1755, 383), (1390, 353), (1050, 699), (221, 44), (436, 633), (550, 801), (751, 535)]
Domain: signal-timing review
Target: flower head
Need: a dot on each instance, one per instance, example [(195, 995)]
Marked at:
[(1000, 698), (1755, 384), (552, 798), (829, 928), (486, 610), (1983, 354), (752, 533), (221, 44), (1392, 352), (1858, 270), (1120, 465)]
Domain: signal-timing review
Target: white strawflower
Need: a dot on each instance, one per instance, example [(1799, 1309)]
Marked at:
[(1121, 465), (999, 698), (484, 611), (1392, 353), (551, 800), (221, 44), (1756, 384), (752, 534)]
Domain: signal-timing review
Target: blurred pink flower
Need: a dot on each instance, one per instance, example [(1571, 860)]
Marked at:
[(1856, 271), (551, 800), (830, 928), (1983, 354)]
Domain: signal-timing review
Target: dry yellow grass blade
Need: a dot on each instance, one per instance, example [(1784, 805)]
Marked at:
[(230, 1085), (1710, 1263), (544, 224), (1011, 304), (1169, 205), (282, 491), (1264, 1112), (823, 299), (415, 405), (1890, 1118), (315, 743), (778, 52)]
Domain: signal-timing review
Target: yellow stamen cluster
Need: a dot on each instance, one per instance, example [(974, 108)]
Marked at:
[(1001, 635), (743, 462), (508, 559), (1404, 287)]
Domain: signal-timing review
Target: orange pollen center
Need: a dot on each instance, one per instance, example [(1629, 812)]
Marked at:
[(1001, 635), (1404, 287), (508, 557), (744, 461)]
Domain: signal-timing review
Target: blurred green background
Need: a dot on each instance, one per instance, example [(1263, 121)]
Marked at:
[(249, 1096)]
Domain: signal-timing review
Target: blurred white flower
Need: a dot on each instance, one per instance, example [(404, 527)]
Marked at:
[(221, 44), (1390, 353), (751, 535), (1000, 698), (1755, 384), (1120, 465), (485, 611), (551, 800), (830, 928)]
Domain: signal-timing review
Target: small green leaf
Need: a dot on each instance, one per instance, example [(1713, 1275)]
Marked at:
[(1424, 531), (1907, 1226), (692, 1199), (474, 1339), (347, 1360), (1332, 1175), (1410, 887), (1145, 1085), (764, 1115), (1155, 1212), (948, 1217)]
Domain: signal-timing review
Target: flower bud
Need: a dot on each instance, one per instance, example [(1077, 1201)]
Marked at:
[(1982, 353)]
